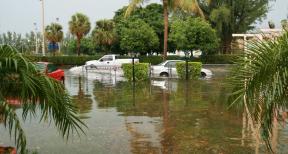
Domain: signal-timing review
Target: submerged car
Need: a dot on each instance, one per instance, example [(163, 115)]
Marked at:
[(51, 70), (168, 69)]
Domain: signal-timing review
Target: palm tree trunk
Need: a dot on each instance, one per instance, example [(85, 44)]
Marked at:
[(165, 14), (78, 46)]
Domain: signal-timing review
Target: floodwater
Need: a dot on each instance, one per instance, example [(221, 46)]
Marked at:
[(157, 116)]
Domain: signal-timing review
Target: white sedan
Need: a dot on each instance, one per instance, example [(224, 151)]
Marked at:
[(168, 69)]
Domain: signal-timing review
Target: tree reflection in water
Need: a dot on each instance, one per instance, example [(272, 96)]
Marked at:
[(188, 117), (82, 101)]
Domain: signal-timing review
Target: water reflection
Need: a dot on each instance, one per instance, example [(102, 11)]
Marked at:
[(82, 101), (192, 117), (157, 116)]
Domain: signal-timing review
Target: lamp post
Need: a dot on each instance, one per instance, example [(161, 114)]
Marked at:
[(36, 39), (59, 43), (133, 68), (43, 29), (186, 60)]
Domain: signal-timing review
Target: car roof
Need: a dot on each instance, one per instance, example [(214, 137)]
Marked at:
[(173, 60)]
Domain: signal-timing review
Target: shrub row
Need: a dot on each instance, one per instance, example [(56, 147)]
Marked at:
[(141, 71), (65, 60), (80, 60), (194, 70)]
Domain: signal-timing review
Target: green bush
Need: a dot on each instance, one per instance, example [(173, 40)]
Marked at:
[(141, 71), (194, 70), (66, 60), (150, 59)]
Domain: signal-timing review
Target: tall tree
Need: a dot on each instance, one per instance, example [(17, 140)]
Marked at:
[(187, 5), (194, 34), (79, 26), (230, 16), (104, 34), (137, 36), (54, 34), (21, 81)]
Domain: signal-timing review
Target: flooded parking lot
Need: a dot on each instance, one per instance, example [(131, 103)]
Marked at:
[(155, 116)]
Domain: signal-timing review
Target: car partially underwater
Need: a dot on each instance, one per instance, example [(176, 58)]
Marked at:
[(168, 69)]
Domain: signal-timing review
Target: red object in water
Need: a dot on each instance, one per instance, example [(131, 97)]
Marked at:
[(8, 150), (51, 70), (14, 102)]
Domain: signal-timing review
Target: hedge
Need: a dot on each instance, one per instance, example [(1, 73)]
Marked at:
[(65, 60), (141, 71), (153, 60), (194, 70)]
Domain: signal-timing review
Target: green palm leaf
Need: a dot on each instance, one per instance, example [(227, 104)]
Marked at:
[(20, 80), (262, 76)]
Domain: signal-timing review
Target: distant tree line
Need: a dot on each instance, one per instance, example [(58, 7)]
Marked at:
[(208, 28)]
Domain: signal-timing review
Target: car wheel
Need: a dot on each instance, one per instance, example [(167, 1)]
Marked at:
[(164, 74), (203, 75), (63, 80)]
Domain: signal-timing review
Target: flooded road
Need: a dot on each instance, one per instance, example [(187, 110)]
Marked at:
[(156, 116)]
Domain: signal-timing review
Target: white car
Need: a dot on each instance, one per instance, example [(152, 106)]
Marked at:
[(168, 69), (110, 61)]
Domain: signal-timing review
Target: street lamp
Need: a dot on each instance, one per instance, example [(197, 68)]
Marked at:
[(59, 43), (133, 67), (43, 29), (36, 39)]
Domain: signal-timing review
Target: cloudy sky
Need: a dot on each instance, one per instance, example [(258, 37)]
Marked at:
[(19, 15)]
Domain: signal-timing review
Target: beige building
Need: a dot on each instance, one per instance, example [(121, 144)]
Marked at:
[(241, 40)]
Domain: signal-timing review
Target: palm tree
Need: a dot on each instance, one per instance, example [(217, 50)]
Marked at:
[(186, 5), (104, 33), (54, 34), (20, 81), (260, 80), (79, 26)]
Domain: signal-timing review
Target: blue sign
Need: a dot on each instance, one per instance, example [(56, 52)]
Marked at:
[(52, 46)]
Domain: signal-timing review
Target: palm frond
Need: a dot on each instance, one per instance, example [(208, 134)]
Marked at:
[(261, 75), (20, 80), (132, 6)]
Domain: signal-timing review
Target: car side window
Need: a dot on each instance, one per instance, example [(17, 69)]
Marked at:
[(171, 64), (40, 67), (107, 58), (51, 68)]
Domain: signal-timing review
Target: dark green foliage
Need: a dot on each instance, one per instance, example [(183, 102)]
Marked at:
[(150, 59), (79, 26), (234, 16), (137, 36), (152, 14), (87, 46), (66, 60), (193, 34), (194, 70), (104, 34), (141, 71)]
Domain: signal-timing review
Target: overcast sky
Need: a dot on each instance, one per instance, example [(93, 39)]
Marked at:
[(19, 15)]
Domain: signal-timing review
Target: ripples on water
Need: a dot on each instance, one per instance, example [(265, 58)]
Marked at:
[(157, 116)]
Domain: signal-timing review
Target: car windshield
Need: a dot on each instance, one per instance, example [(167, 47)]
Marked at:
[(162, 63), (51, 68), (40, 67)]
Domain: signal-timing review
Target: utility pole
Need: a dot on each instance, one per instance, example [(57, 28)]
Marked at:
[(43, 29), (59, 43), (36, 39)]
